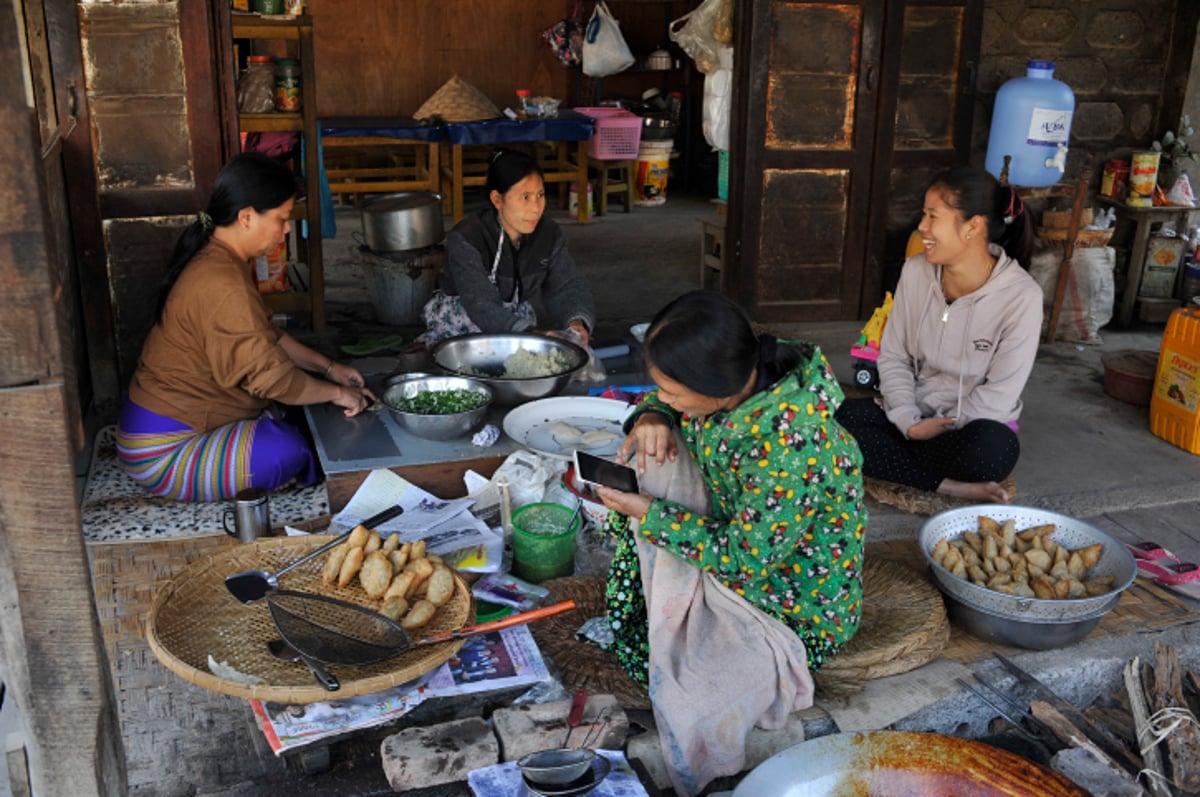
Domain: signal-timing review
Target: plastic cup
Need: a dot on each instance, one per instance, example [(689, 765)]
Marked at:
[(543, 543)]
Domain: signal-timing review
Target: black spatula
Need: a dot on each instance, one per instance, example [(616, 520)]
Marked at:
[(251, 585)]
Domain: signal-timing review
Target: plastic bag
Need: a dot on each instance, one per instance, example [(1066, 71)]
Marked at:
[(604, 49), (693, 32), (718, 100), (593, 373), (566, 39)]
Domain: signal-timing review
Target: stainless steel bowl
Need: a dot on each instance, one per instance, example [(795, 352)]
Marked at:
[(1031, 623), (557, 767), (436, 427), (481, 357)]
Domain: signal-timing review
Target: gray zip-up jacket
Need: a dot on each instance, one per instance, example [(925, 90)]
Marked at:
[(541, 265), (968, 359)]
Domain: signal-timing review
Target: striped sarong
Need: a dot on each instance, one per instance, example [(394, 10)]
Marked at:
[(174, 461)]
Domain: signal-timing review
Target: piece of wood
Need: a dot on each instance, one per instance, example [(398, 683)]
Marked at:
[(1072, 736), (1183, 741), (1064, 270), (18, 766), (1156, 780), (1112, 748)]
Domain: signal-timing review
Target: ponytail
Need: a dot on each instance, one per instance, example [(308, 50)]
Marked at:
[(249, 180), (973, 192)]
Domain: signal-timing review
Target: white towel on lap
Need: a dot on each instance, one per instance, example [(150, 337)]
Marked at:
[(718, 666)]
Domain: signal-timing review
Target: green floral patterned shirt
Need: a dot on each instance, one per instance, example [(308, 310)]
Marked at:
[(786, 520)]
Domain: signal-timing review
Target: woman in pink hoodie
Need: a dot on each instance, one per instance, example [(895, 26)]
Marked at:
[(958, 346)]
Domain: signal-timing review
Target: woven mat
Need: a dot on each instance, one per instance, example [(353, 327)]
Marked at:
[(904, 625), (1143, 607), (162, 716), (919, 502), (115, 508), (582, 663)]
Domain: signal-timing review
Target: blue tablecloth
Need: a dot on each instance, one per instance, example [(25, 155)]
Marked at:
[(381, 126), (566, 126)]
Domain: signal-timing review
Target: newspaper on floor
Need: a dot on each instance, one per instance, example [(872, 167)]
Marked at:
[(446, 526), (486, 662)]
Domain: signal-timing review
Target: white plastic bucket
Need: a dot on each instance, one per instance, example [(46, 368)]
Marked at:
[(653, 165)]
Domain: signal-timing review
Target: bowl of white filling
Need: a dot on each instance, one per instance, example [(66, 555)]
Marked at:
[(517, 367)]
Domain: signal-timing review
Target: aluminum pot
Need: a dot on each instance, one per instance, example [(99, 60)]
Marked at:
[(402, 222)]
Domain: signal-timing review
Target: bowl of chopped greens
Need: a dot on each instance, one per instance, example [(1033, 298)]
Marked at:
[(438, 407), (517, 366)]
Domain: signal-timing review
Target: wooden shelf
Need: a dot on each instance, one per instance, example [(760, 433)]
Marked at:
[(297, 30), (270, 122)]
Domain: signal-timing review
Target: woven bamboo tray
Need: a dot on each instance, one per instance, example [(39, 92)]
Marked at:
[(194, 616), (1057, 236)]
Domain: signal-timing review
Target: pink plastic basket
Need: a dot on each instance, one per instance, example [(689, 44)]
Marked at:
[(618, 133)]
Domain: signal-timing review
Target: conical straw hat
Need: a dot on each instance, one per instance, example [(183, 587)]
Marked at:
[(458, 101)]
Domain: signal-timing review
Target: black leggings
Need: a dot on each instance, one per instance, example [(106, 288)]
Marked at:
[(981, 451)]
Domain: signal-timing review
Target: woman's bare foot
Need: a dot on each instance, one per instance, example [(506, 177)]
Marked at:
[(989, 492)]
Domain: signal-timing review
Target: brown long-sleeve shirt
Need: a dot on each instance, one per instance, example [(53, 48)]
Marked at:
[(215, 356)]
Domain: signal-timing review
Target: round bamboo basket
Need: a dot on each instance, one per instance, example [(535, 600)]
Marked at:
[(1057, 236), (194, 616)]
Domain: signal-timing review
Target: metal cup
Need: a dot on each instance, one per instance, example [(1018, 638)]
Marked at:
[(251, 515)]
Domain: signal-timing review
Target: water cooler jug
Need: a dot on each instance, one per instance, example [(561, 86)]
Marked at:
[(1031, 122)]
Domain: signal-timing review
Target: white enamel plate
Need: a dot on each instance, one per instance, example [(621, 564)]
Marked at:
[(559, 425)]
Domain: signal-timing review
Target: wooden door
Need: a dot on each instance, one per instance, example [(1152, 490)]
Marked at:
[(841, 112)]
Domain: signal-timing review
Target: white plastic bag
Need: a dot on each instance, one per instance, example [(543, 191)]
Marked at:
[(718, 100), (693, 32), (604, 49)]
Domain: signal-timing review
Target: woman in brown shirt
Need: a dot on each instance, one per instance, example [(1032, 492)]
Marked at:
[(202, 420)]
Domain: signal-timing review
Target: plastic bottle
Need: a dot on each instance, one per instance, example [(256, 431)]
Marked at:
[(1031, 122), (256, 89)]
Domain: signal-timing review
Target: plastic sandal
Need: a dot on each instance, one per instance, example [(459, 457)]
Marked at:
[(1170, 574), (1150, 551)]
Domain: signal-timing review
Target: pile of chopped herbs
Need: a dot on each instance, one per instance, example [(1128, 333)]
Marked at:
[(440, 402)]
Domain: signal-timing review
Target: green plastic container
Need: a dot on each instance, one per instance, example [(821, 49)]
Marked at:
[(543, 544)]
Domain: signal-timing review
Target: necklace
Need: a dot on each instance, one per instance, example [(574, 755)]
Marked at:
[(942, 284)]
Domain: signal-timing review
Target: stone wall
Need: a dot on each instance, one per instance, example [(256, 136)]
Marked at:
[(1113, 55)]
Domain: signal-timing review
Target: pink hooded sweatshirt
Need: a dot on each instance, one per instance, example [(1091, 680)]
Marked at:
[(968, 359)]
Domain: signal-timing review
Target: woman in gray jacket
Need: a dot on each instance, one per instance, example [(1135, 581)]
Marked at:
[(958, 346), (501, 258)]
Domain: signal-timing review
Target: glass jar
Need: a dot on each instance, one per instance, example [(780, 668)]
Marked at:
[(287, 85), (256, 89)]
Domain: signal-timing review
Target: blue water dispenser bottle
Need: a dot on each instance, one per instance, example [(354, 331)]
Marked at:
[(1032, 123)]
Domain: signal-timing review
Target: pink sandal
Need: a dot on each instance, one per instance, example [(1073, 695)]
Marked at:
[(1170, 574), (1149, 551)]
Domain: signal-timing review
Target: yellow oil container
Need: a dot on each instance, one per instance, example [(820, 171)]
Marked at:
[(1176, 397)]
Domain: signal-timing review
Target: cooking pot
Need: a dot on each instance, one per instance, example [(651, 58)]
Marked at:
[(404, 221)]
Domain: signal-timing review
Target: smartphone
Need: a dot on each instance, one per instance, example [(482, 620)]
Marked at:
[(594, 470)]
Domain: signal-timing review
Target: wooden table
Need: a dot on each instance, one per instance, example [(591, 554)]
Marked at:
[(568, 130), (416, 141), (1143, 218)]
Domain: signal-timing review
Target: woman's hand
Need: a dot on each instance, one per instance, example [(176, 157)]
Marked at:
[(341, 374), (929, 428), (353, 400), (651, 437), (633, 505), (576, 332)]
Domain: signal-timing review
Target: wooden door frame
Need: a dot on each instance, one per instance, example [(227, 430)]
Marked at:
[(55, 666)]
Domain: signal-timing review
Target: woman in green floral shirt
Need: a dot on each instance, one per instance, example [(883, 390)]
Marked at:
[(785, 524)]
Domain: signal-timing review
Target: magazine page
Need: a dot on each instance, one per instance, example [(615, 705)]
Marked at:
[(486, 662)]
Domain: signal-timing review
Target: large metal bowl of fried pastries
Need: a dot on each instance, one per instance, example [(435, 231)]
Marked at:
[(1044, 598)]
